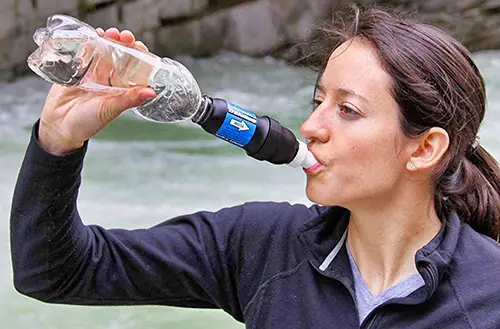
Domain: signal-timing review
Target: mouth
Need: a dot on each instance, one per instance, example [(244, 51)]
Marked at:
[(314, 169)]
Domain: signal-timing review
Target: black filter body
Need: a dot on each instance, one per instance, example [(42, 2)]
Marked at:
[(262, 137)]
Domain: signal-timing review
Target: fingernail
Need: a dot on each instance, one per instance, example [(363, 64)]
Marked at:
[(145, 97)]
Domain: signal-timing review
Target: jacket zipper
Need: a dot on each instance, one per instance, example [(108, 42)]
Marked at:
[(369, 325), (376, 311), (433, 276)]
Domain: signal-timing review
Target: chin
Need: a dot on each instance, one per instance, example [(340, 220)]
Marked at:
[(326, 194), (318, 195)]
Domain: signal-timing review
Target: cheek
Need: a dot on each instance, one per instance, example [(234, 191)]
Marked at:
[(382, 171), (362, 167), (374, 157)]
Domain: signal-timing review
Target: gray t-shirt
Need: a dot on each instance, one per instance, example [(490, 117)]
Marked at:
[(366, 302)]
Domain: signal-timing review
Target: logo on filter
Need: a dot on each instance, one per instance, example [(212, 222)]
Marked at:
[(241, 125)]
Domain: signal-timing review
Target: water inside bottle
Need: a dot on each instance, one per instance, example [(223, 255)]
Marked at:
[(61, 60), (178, 94), (112, 67)]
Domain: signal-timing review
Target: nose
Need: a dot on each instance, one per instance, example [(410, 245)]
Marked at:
[(315, 127)]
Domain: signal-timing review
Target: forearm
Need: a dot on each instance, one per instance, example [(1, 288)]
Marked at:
[(45, 226)]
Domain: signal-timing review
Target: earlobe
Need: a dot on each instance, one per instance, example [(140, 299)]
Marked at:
[(410, 165), (431, 149)]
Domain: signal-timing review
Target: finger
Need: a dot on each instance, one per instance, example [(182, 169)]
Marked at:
[(99, 31), (127, 37), (146, 94), (141, 46), (112, 33), (114, 106)]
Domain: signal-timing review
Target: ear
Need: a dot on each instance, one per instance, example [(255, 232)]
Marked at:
[(430, 150)]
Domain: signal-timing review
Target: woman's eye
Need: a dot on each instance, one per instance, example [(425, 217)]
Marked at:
[(347, 111), (315, 103)]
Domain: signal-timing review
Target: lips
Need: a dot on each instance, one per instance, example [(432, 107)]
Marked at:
[(314, 169)]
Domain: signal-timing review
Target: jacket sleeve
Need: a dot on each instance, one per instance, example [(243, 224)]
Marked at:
[(184, 261)]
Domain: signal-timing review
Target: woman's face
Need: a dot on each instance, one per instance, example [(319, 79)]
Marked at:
[(354, 132)]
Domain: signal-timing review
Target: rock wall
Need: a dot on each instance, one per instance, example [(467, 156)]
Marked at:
[(204, 27)]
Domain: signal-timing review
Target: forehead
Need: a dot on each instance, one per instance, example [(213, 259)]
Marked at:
[(354, 65)]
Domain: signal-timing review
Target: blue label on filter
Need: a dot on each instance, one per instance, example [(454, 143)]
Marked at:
[(238, 127)]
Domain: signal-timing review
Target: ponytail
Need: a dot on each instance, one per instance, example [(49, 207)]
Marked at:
[(472, 190)]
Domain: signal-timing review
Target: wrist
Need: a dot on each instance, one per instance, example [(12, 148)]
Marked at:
[(54, 143)]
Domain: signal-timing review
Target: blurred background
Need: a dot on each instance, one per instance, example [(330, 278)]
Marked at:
[(239, 50)]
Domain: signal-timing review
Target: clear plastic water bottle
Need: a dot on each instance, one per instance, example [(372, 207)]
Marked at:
[(71, 53)]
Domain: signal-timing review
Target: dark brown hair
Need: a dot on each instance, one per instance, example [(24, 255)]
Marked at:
[(436, 84)]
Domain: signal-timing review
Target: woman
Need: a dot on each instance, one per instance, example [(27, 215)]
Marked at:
[(403, 239)]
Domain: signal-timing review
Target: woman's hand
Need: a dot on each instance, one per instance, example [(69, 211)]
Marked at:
[(72, 115)]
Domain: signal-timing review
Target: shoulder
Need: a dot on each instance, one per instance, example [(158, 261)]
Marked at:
[(271, 214), (474, 275), (266, 221), (261, 214), (263, 241), (476, 260), (474, 247), (268, 230), (250, 223)]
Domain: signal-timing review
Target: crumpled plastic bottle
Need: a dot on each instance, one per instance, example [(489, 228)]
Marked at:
[(71, 53)]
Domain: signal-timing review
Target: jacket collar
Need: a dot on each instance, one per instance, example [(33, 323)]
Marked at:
[(322, 239)]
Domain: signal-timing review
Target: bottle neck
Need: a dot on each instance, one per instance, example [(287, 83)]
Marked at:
[(204, 111)]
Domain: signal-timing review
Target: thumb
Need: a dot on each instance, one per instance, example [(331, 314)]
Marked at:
[(115, 105)]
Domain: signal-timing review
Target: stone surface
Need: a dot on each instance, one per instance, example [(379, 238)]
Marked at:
[(46, 8), (13, 55), (149, 39), (169, 9), (178, 39), (287, 15), (323, 8), (251, 29), (203, 37), (5, 45), (462, 5), (431, 6), (492, 5), (469, 23), (495, 3), (104, 18), (97, 2), (141, 14), (489, 36), (212, 31), (26, 15), (297, 18), (7, 17)]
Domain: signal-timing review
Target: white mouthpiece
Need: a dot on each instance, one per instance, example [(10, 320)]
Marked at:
[(304, 157)]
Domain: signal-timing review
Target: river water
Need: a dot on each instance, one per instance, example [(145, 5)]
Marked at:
[(139, 173)]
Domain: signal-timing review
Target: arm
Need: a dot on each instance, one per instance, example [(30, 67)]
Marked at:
[(56, 258)]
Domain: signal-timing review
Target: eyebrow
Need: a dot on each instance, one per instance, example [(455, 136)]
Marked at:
[(342, 91)]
